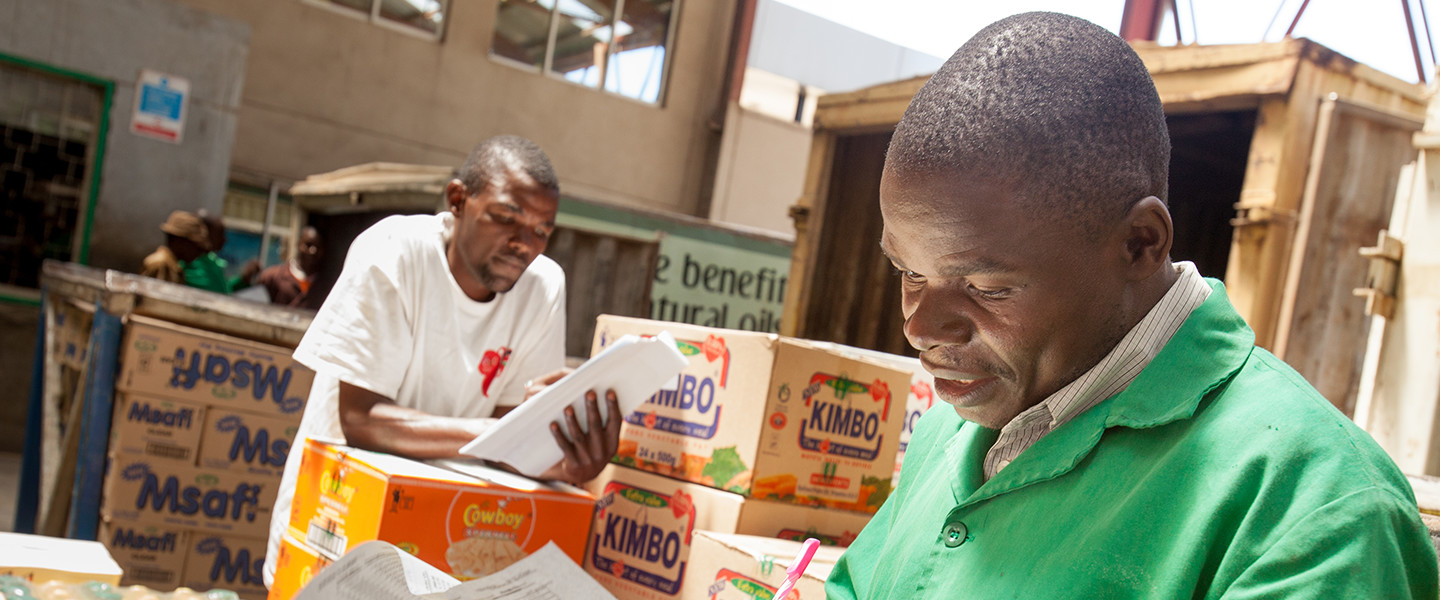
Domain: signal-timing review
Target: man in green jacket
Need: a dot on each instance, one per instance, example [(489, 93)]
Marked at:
[(1115, 432)]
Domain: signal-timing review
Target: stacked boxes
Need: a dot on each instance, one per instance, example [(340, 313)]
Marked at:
[(203, 423), (762, 435), (466, 524)]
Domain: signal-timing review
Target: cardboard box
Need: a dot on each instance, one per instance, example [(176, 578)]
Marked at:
[(42, 558), (151, 555), (170, 361), (796, 522), (227, 563), (294, 566), (140, 490), (743, 567), (246, 442), (644, 527), (771, 417), (922, 391), (465, 525), (157, 428)]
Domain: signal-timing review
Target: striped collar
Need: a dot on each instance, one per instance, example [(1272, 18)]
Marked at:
[(1108, 377)]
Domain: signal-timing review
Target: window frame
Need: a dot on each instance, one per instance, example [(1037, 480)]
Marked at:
[(546, 65), (373, 17), (80, 252)]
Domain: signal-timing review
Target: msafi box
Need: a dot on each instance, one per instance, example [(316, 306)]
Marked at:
[(767, 416), (169, 361), (744, 567), (466, 524), (644, 527), (227, 563), (167, 431), (246, 442), (140, 490), (150, 555)]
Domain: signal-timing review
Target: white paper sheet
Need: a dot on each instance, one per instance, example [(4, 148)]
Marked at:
[(380, 571), (634, 367), (545, 575)]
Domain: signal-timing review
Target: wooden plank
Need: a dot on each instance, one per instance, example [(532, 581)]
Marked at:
[(808, 214)]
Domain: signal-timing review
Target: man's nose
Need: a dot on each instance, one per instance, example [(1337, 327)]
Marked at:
[(937, 317)]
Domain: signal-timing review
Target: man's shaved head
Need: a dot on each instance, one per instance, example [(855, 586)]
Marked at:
[(502, 154), (1054, 105)]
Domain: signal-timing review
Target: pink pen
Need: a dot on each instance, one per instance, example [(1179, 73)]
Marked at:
[(797, 568)]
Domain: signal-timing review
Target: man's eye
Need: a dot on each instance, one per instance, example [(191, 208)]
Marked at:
[(502, 218), (990, 294), (542, 233)]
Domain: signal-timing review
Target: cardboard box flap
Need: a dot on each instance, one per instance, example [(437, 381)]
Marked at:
[(780, 552), (55, 558)]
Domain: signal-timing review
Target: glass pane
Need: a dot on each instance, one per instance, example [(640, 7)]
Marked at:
[(360, 5), (581, 39), (636, 67), (425, 15), (521, 29)]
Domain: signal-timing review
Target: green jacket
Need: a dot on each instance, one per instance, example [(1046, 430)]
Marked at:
[(1219, 473), (208, 273)]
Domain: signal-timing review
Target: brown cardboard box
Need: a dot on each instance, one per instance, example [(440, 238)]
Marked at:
[(767, 416), (170, 361), (227, 563), (44, 558), (921, 397), (742, 567), (796, 522), (140, 490), (246, 442), (294, 567), (151, 555), (161, 429), (644, 526), (467, 526)]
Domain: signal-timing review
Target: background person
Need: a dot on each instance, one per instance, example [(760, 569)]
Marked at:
[(186, 239)]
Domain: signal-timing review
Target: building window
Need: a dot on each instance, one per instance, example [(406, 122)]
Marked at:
[(423, 17), (621, 43), (51, 127)]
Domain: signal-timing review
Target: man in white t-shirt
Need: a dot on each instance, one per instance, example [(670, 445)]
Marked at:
[(438, 323)]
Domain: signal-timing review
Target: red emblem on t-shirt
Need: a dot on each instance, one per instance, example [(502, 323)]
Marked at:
[(491, 365)]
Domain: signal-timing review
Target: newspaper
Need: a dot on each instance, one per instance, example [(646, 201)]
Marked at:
[(634, 367), (380, 571)]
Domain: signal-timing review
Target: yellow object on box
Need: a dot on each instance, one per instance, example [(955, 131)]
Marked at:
[(644, 526), (139, 490), (170, 361), (295, 565), (243, 441), (41, 558), (150, 555), (743, 567), (767, 416), (226, 562), (157, 428), (467, 526)]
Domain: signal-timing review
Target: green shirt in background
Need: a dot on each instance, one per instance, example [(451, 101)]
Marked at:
[(1218, 473), (208, 273)]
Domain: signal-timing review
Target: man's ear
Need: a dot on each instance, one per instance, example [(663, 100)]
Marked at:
[(455, 194), (1148, 237)]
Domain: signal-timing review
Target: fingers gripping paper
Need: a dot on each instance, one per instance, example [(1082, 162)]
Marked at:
[(634, 367)]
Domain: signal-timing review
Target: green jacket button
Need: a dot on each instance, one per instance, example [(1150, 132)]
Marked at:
[(954, 534)]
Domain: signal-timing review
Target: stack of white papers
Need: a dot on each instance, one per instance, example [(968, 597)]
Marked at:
[(380, 571), (634, 367)]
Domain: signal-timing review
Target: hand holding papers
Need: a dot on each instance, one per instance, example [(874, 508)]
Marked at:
[(634, 367)]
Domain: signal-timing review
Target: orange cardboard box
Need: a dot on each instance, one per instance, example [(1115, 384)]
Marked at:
[(294, 567), (151, 555), (644, 527), (165, 430), (243, 441), (227, 563), (467, 525), (170, 361), (767, 416)]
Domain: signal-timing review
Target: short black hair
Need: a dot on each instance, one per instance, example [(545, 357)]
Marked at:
[(502, 154), (1051, 102)]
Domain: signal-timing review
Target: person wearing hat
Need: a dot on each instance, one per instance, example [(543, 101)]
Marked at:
[(186, 238)]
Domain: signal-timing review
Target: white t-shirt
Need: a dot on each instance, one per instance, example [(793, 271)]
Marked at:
[(399, 325)]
